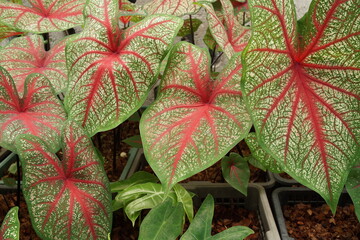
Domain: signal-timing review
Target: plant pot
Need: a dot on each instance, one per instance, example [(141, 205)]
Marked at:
[(285, 181), (301, 195), (140, 163), (4, 166), (256, 200)]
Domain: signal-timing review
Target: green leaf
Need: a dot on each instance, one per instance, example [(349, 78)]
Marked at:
[(186, 28), (260, 157), (9, 181), (68, 198), (112, 70), (172, 7), (162, 222), (10, 227), (200, 228), (13, 168), (134, 141), (233, 233), (301, 87), (184, 197), (210, 41), (236, 172), (137, 178), (195, 119), (353, 187)]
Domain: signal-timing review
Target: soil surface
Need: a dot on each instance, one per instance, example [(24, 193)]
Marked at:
[(306, 222)]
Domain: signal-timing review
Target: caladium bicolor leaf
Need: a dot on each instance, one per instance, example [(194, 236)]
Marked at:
[(163, 222), (302, 88), (200, 228), (111, 71), (26, 55), (6, 31), (39, 112), (134, 141), (68, 198), (10, 227), (188, 26), (42, 15), (236, 172), (262, 156), (195, 120), (231, 36), (172, 7), (353, 187)]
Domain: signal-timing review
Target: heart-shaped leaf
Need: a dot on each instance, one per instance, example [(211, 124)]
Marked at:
[(163, 222), (231, 36), (353, 187), (236, 172), (42, 15), (112, 71), (67, 199), (10, 227), (39, 112), (26, 55), (195, 120), (134, 141), (172, 7), (302, 88)]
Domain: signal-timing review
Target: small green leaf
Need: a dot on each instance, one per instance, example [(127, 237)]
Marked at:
[(233, 233), (253, 161), (236, 172), (134, 141), (10, 227), (136, 178), (8, 181), (186, 28), (13, 168), (185, 198), (162, 222)]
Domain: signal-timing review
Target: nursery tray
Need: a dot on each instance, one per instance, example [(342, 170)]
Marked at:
[(291, 196), (140, 162), (224, 194), (5, 164), (284, 181)]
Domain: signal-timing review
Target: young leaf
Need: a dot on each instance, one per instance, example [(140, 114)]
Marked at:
[(134, 141), (162, 222), (26, 55), (233, 233), (10, 227), (67, 199), (111, 71), (136, 178), (260, 155), (195, 120), (39, 112), (231, 36), (236, 172), (42, 16), (353, 187), (302, 89), (184, 197), (172, 7)]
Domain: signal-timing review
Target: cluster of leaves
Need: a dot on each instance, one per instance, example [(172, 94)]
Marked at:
[(295, 81)]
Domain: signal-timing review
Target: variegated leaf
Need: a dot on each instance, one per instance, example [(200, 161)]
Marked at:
[(353, 187), (195, 120), (26, 55), (39, 112), (68, 198), (10, 227), (42, 15), (6, 31), (172, 7), (302, 88), (112, 71), (231, 36)]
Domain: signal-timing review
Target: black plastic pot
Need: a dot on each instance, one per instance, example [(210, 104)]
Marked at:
[(284, 181)]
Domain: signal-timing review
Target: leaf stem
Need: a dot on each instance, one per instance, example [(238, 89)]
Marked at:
[(18, 181), (46, 41), (70, 31), (192, 31)]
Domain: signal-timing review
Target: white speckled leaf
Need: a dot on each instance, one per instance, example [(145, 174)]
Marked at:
[(10, 227), (111, 70), (6, 31), (39, 112), (42, 15), (195, 120), (67, 199), (353, 187), (172, 7), (302, 88), (231, 36), (26, 55)]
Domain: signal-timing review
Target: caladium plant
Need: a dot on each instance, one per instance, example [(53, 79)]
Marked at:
[(111, 70), (26, 55), (195, 120), (10, 227), (39, 112), (353, 187), (68, 198), (172, 7), (301, 87), (42, 15)]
